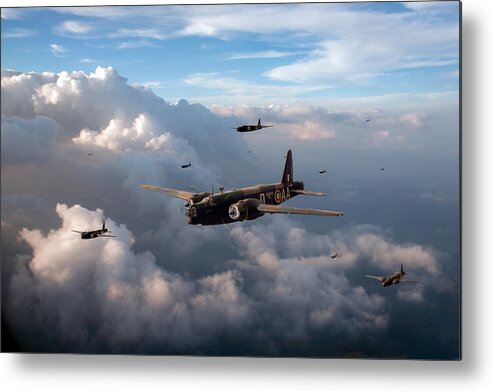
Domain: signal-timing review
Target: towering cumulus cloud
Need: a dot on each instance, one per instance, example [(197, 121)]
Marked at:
[(102, 295)]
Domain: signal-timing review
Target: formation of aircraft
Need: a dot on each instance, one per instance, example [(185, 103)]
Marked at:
[(87, 235), (393, 279), (207, 208), (251, 128)]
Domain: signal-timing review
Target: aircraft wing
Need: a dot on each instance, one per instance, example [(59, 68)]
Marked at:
[(379, 278), (105, 235), (77, 231), (307, 193), (168, 191), (408, 281), (271, 209)]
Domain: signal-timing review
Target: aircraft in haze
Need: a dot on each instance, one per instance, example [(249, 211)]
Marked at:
[(251, 128), (382, 168), (250, 203), (186, 165), (321, 171), (87, 235), (334, 256), (393, 279)]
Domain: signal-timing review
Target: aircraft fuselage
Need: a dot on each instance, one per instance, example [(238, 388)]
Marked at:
[(237, 205), (87, 235), (392, 279)]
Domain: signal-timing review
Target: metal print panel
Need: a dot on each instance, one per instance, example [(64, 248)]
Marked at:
[(276, 180)]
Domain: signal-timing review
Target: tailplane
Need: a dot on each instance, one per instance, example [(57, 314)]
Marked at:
[(287, 176)]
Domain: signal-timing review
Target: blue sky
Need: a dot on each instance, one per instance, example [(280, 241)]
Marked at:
[(255, 54)]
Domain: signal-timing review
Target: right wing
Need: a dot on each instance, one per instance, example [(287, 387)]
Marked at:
[(168, 191), (272, 209), (379, 278), (307, 193), (77, 231)]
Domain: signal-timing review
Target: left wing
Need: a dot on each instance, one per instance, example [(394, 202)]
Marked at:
[(380, 278), (168, 191), (271, 209)]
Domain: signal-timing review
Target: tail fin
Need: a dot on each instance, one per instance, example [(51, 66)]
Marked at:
[(104, 224), (259, 122), (287, 176), (402, 269)]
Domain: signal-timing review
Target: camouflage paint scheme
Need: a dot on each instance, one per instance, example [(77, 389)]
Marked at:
[(393, 279), (245, 203)]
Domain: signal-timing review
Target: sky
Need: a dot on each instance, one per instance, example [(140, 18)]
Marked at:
[(349, 88)]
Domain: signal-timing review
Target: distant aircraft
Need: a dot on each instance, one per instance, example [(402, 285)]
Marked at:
[(90, 154), (333, 256), (87, 235), (251, 128), (382, 168), (367, 120), (393, 279), (249, 151), (186, 165), (250, 203), (321, 171)]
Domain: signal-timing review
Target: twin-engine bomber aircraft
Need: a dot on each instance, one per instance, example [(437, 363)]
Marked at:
[(87, 235), (251, 128), (393, 279), (246, 203)]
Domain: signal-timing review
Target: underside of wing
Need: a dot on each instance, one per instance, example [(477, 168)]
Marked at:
[(379, 278), (271, 209), (77, 231), (106, 235), (307, 193), (168, 191)]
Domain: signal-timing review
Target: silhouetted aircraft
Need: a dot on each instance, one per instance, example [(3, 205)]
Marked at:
[(382, 168), (321, 171), (367, 120), (87, 235), (393, 279), (250, 128), (246, 203), (186, 165), (249, 151), (333, 256)]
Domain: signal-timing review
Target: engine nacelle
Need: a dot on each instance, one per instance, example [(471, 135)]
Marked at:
[(244, 210)]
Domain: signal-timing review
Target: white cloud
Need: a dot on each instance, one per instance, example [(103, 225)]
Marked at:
[(18, 33), (130, 298), (268, 54), (141, 134), (57, 50), (235, 87), (74, 27)]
